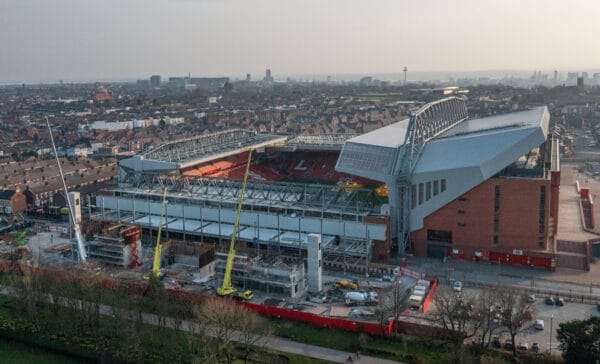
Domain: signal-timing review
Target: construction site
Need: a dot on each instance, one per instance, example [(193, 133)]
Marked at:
[(321, 223)]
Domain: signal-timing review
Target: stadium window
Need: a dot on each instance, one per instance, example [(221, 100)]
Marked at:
[(413, 192), (495, 239), (541, 243), (496, 210), (462, 212), (440, 235), (542, 223), (443, 185), (421, 193), (428, 191), (435, 188)]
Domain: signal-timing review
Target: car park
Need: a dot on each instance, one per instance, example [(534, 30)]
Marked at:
[(531, 298), (549, 300), (535, 347), (508, 345), (457, 286), (523, 346), (560, 301)]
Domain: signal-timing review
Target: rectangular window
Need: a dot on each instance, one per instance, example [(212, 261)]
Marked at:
[(541, 243), (462, 212), (435, 187), (413, 192), (542, 224), (496, 212), (495, 239), (439, 235), (428, 190), (421, 193), (443, 185)]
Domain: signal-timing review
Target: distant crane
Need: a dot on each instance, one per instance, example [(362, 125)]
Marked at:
[(227, 289), (158, 248), (78, 236)]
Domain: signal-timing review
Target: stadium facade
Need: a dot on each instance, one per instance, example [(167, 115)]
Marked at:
[(456, 186)]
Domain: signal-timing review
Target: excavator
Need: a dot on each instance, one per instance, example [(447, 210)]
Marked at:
[(158, 248), (227, 289)]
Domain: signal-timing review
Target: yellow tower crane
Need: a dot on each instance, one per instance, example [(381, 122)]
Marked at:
[(158, 248), (227, 289)]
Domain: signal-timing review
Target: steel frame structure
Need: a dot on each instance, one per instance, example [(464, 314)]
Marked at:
[(183, 150), (306, 199), (426, 123)]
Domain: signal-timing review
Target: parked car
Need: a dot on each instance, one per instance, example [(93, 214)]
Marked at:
[(523, 346), (496, 342), (457, 286), (560, 301), (539, 324), (508, 345), (531, 298), (549, 300), (535, 347)]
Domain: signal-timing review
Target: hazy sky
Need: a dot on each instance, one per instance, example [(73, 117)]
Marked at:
[(49, 40)]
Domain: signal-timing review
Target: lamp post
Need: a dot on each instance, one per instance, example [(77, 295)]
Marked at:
[(551, 320)]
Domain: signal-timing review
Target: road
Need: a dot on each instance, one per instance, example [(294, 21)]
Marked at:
[(527, 279), (275, 343)]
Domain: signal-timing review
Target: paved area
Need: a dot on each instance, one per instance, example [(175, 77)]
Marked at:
[(570, 226)]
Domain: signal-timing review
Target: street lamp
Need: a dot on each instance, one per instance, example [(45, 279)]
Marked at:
[(551, 320)]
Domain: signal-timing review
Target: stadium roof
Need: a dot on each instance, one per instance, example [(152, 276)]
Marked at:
[(499, 140), (472, 142), (189, 152)]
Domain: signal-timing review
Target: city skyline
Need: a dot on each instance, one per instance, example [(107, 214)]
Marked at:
[(111, 40)]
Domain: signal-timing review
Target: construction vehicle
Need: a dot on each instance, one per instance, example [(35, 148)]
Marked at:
[(361, 298), (158, 248), (346, 284), (227, 289), (78, 235)]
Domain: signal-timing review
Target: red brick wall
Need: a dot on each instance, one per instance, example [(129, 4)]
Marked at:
[(473, 230)]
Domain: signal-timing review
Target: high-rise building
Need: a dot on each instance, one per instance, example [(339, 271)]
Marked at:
[(580, 82), (248, 77), (268, 77), (155, 81), (555, 75)]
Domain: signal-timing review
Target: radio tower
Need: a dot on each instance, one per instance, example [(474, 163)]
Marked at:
[(405, 70)]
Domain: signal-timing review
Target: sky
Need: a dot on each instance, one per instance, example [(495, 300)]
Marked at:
[(85, 40)]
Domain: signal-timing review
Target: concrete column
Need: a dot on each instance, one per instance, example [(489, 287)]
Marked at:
[(315, 265)]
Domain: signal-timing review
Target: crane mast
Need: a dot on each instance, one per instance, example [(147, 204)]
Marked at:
[(78, 236), (158, 248), (227, 289)]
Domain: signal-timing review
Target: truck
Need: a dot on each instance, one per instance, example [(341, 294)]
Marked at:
[(415, 301), (361, 298), (346, 284)]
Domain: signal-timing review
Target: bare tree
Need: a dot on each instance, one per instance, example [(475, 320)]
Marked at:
[(226, 322), (515, 312), (456, 314), (253, 331), (485, 313)]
